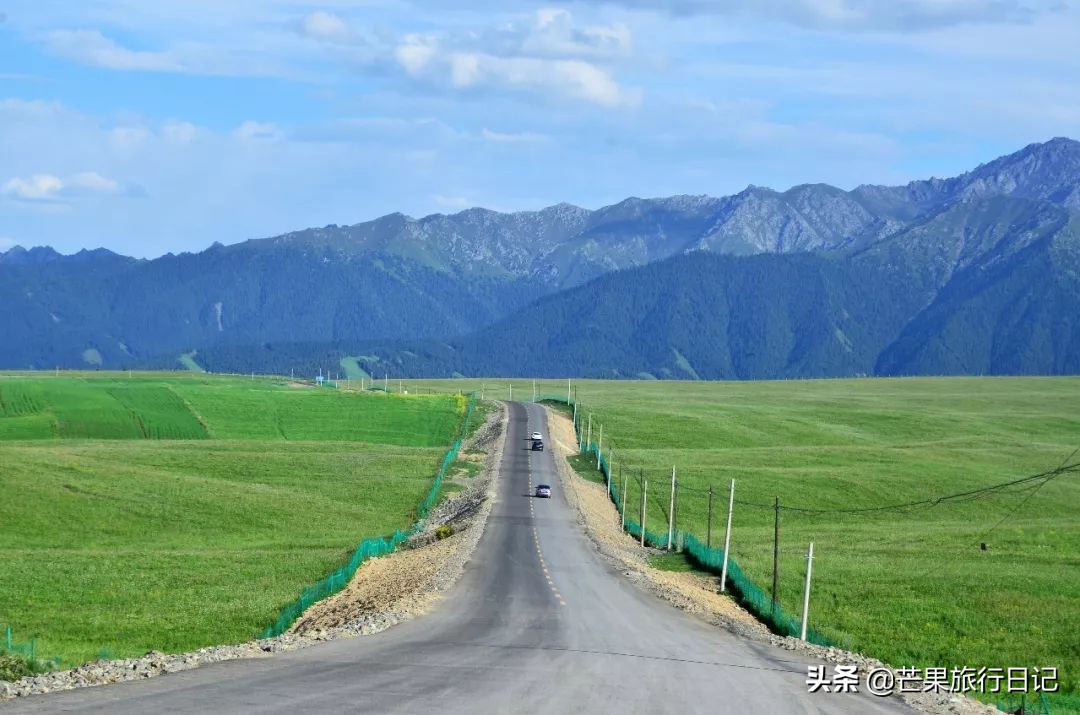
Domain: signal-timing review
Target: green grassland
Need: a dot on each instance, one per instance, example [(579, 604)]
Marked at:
[(913, 586), (171, 512)]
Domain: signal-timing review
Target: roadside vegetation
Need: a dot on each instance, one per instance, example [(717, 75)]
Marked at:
[(911, 586), (172, 513)]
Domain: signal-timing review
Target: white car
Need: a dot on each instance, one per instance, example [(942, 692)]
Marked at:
[(543, 491), (536, 435)]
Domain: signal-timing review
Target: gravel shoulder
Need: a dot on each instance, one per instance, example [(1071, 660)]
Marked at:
[(384, 592), (698, 594)]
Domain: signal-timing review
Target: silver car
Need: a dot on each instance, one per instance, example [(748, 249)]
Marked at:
[(543, 491)]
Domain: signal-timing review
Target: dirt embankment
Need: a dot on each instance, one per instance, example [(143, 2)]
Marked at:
[(699, 594)]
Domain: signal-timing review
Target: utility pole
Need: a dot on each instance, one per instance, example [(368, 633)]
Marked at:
[(386, 382), (644, 501), (671, 512), (511, 392), (575, 418), (623, 510), (806, 590), (534, 391), (708, 528), (727, 538), (776, 557), (481, 391), (568, 390)]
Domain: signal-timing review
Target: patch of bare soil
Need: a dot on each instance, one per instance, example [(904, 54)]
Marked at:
[(699, 594)]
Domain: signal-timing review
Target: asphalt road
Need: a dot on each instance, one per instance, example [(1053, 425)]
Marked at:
[(537, 623)]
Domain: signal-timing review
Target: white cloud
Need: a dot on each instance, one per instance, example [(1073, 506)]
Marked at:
[(550, 54), (326, 27), (894, 15), (575, 79), (39, 187), (187, 49), (554, 34), (252, 130), (93, 182), (415, 52), (513, 138), (92, 48), (179, 132), (49, 188)]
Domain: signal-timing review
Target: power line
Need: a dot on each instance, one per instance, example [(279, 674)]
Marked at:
[(1066, 467), (958, 497)]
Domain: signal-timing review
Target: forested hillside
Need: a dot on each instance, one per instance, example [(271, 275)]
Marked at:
[(973, 274)]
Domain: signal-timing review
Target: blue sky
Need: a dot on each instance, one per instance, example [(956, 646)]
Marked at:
[(156, 127)]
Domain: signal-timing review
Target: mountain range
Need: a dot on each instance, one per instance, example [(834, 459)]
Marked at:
[(976, 274)]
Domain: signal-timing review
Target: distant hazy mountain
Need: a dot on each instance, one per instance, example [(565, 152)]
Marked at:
[(975, 273)]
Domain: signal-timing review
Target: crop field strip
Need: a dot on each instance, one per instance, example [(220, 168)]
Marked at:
[(128, 542), (911, 586)]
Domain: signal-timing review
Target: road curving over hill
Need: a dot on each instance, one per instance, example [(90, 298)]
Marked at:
[(539, 622)]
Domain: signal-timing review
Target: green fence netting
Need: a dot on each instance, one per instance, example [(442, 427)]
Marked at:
[(27, 649), (1025, 703), (370, 548)]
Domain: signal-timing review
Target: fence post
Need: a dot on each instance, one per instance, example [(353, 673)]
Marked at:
[(776, 556), (568, 390), (588, 437), (644, 501), (511, 399), (806, 589), (727, 538), (671, 512), (708, 521), (600, 446), (623, 510), (534, 391)]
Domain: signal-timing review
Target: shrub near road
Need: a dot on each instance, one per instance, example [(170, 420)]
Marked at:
[(124, 543), (910, 586)]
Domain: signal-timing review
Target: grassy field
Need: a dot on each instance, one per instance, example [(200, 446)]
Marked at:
[(913, 586), (176, 512)]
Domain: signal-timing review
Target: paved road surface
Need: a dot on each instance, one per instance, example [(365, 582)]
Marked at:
[(538, 623)]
